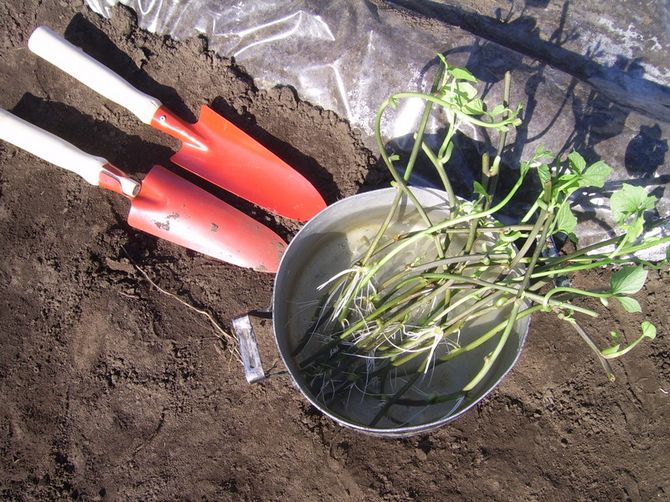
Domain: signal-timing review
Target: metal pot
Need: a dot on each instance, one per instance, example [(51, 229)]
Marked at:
[(328, 244)]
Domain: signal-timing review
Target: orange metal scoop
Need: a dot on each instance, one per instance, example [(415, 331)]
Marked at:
[(213, 148), (163, 204), (218, 151)]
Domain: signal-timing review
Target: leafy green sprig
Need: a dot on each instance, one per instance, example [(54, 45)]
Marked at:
[(373, 321)]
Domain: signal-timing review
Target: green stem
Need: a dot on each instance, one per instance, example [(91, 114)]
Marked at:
[(539, 299), (453, 326), (491, 358), (486, 170), (399, 314), (642, 246), (389, 165), (530, 240), (402, 244), (449, 106), (494, 171), (401, 182), (410, 382), (486, 336), (385, 224), (444, 153), (450, 231), (439, 167), (551, 262), (472, 235), (577, 268), (446, 261), (361, 323), (603, 362), (579, 292)]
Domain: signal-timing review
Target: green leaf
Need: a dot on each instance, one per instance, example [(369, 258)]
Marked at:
[(634, 230), (563, 316), (610, 351), (478, 188), (628, 281), (577, 162), (613, 348), (462, 74), (544, 173), (466, 91), (630, 200), (566, 184), (648, 330), (595, 175), (629, 304), (510, 236), (474, 107), (541, 153), (565, 220), (498, 110)]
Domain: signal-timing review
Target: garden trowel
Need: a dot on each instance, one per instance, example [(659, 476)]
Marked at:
[(163, 204), (212, 148)]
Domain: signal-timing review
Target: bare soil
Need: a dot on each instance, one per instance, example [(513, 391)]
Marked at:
[(112, 390)]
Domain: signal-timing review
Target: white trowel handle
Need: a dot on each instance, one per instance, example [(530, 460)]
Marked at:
[(61, 53), (53, 149)]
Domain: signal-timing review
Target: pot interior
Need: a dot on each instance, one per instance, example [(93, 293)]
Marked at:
[(329, 244)]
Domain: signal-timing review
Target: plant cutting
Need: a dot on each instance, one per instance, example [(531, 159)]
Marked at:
[(413, 329)]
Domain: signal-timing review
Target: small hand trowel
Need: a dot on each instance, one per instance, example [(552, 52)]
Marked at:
[(212, 148), (163, 204)]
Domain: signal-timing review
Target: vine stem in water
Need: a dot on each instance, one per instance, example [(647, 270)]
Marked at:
[(372, 270), (410, 164), (491, 358)]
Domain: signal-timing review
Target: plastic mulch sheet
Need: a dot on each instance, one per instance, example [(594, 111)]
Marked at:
[(350, 56)]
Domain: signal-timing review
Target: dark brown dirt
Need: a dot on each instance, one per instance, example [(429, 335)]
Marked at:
[(111, 390)]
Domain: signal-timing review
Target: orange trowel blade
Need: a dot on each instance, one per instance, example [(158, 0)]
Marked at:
[(174, 209), (218, 151)]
